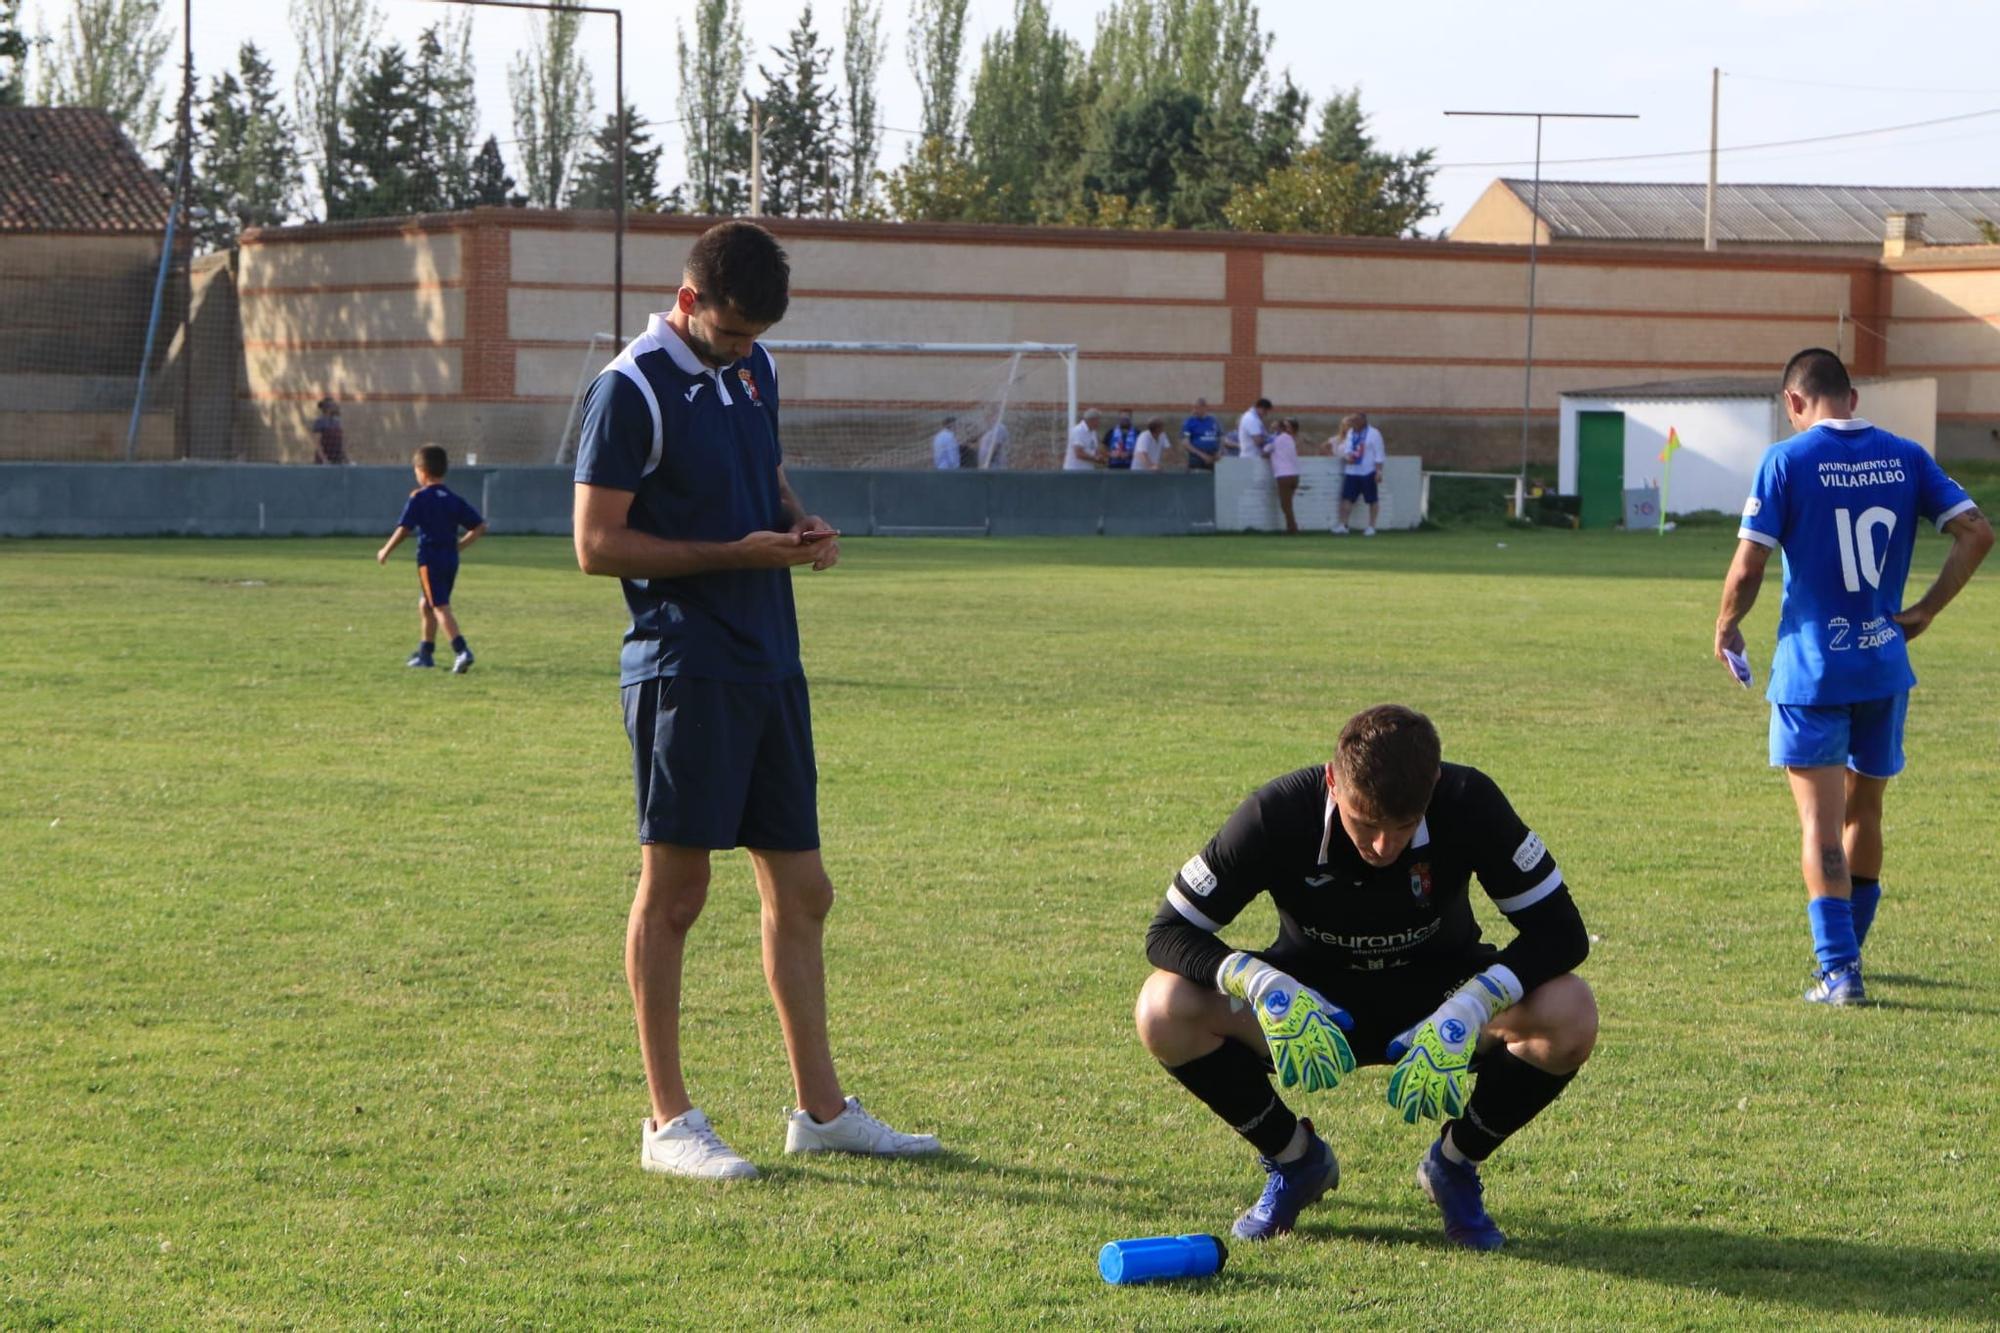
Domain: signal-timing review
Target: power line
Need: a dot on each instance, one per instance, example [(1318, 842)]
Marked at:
[(1733, 148), (1861, 87)]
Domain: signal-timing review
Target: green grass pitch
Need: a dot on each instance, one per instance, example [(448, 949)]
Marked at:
[(314, 1011)]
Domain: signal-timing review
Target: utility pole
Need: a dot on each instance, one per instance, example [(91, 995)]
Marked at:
[(181, 202), (1714, 129), (756, 159), (1534, 238)]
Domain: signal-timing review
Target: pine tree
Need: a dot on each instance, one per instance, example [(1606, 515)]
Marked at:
[(801, 127), (1403, 180), (1023, 101), (596, 184), (247, 171), (13, 55), (382, 169), (447, 116), (712, 107), (489, 185), (335, 38)]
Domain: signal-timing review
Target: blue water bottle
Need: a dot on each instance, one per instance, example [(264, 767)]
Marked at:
[(1161, 1258)]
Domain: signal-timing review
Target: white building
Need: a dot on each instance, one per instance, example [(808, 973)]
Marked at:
[(1611, 439)]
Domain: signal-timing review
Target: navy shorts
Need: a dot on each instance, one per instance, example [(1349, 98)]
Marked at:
[(720, 763), (1358, 488), (1867, 737), (435, 578), (1385, 1004)]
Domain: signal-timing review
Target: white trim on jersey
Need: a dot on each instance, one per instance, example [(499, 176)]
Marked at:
[(770, 363), (1326, 838), (1953, 512), (1423, 834), (1195, 916), (1548, 886), (1761, 538), (626, 363)]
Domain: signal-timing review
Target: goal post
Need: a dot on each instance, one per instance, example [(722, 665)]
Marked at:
[(881, 404)]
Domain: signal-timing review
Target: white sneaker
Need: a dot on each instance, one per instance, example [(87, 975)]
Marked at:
[(688, 1145), (1370, 532), (855, 1131), (1340, 529)]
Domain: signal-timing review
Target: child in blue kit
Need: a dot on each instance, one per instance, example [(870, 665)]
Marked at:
[(435, 514)]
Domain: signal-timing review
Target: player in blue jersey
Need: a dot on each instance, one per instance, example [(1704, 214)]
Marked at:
[(436, 514), (681, 494), (1203, 438), (1842, 499)]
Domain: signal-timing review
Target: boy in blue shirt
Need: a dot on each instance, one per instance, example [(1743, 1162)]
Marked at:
[(1842, 499), (436, 514)]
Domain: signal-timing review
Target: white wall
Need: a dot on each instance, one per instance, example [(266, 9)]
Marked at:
[(1246, 497)]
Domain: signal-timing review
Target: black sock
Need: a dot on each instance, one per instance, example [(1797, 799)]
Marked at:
[(1232, 1082), (1507, 1094), (425, 648), (458, 644)]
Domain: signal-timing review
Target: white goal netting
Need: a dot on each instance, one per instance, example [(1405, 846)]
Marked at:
[(885, 405)]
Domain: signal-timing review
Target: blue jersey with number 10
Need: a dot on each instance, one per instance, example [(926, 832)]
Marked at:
[(1843, 499)]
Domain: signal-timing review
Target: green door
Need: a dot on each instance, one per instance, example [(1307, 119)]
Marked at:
[(1600, 468)]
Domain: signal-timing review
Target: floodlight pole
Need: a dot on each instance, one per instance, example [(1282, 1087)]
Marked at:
[(1534, 237), (624, 132)]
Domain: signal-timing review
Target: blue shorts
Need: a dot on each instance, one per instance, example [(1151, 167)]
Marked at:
[(434, 578), (1358, 488), (721, 763), (1867, 737)]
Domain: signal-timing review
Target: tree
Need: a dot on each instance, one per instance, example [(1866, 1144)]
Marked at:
[(712, 106), (1146, 146), (447, 115), (13, 55), (1320, 195), (1019, 128), (550, 87), (108, 55), (382, 166), (1403, 179), (335, 38), (936, 46), (489, 185), (937, 184), (861, 52), (596, 184), (247, 166), (801, 127)]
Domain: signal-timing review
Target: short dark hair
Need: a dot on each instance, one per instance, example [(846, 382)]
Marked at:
[(1263, 404), (1816, 374), (1387, 758), (431, 460), (740, 264)]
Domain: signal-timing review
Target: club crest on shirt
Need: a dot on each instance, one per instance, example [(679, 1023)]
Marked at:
[(749, 383), (1420, 881)]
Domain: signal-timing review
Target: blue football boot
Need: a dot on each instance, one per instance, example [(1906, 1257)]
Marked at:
[(1290, 1188), (1459, 1197), (420, 660), (1838, 986)]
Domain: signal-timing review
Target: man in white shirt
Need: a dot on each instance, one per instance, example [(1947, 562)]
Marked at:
[(1360, 449), (993, 445), (1152, 446), (944, 446), (1082, 455), (1252, 438)]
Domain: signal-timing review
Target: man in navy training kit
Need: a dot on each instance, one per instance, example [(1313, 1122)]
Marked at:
[(1378, 960), (436, 514), (681, 494), (1203, 438), (1842, 499)]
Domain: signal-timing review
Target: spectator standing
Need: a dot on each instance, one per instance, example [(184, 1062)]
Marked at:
[(1360, 450), (1151, 447), (329, 440), (993, 445), (944, 446), (1119, 442), (1252, 438), (1284, 452), (1082, 455), (1203, 438)]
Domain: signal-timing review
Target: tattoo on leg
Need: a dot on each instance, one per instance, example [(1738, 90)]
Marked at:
[(1832, 861)]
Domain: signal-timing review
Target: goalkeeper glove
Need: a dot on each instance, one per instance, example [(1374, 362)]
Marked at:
[(1302, 1027), (1433, 1059)]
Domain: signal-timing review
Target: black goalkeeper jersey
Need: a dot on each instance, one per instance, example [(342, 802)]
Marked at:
[(1345, 915)]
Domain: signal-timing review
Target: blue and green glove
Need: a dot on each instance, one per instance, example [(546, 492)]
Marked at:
[(1434, 1058), (1302, 1027)]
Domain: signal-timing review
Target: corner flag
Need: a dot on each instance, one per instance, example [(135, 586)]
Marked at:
[(1667, 479), (1673, 445)]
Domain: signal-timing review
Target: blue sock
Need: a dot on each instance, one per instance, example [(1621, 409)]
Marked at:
[(1867, 893), (425, 648), (1833, 932), (458, 644)]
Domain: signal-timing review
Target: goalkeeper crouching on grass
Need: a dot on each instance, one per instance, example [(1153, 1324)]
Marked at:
[(1378, 960)]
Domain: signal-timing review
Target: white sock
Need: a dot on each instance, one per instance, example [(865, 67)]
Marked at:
[(1297, 1147), (1451, 1152)]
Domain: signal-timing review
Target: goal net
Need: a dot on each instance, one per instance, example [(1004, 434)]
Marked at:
[(884, 404)]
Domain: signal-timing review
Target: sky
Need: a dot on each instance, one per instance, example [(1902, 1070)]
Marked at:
[(1792, 69)]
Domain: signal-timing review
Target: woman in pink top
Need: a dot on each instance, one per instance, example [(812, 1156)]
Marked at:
[(1285, 468)]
